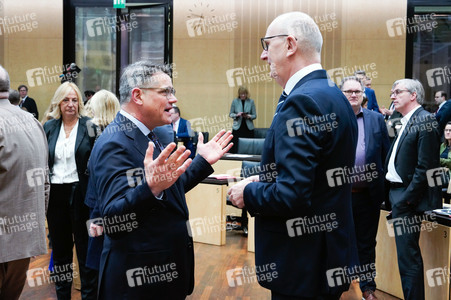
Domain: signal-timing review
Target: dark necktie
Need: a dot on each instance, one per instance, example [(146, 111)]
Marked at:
[(155, 140), (281, 100)]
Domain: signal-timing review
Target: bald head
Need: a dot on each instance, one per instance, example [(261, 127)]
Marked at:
[(304, 28), (4, 83)]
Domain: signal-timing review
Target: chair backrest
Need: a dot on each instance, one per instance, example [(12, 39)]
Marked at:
[(260, 133), (250, 146), (249, 168), (196, 137)]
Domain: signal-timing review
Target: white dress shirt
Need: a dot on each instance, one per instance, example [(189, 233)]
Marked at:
[(299, 75), (64, 165)]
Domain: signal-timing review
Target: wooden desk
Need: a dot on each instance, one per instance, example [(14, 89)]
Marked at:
[(435, 249), (207, 204), (207, 210), (231, 164)]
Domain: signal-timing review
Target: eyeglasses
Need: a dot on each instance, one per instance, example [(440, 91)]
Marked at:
[(349, 93), (265, 44), (397, 92), (165, 91)]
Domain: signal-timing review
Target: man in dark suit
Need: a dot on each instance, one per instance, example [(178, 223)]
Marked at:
[(312, 138), (412, 158), (368, 91), (28, 103), (148, 252), (393, 120), (183, 130), (368, 186), (443, 114)]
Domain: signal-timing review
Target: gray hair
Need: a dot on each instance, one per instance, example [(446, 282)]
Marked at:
[(413, 86), (14, 97), (4, 80), (304, 28), (351, 78), (139, 74)]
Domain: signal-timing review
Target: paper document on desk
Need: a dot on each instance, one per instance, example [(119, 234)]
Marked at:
[(443, 211), (222, 176), (239, 155)]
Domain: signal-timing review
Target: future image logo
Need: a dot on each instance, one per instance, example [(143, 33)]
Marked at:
[(107, 25), (438, 276), (438, 76), (247, 75), (436, 177), (209, 25), (135, 177), (239, 276), (400, 26), (35, 177)]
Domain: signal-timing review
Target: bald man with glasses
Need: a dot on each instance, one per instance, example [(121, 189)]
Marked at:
[(313, 134)]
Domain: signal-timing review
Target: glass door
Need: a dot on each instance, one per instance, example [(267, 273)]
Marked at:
[(432, 51), (107, 40)]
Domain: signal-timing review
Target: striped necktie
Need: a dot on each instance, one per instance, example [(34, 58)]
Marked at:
[(152, 136), (281, 100)]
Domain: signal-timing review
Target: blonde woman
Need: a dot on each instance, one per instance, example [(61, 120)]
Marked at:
[(69, 150), (243, 113), (104, 106)]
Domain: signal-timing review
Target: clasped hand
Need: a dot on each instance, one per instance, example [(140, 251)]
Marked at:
[(235, 193)]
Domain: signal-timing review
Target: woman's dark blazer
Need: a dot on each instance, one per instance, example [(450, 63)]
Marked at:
[(83, 146)]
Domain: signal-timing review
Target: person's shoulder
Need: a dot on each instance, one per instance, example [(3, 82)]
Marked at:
[(50, 123), (371, 113), (83, 120)]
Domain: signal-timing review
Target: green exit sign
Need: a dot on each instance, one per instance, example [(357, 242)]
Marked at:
[(119, 3)]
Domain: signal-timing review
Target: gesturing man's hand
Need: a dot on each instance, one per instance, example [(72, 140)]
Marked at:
[(164, 171)]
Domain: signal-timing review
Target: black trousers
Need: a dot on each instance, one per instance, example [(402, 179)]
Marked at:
[(366, 220), (67, 215), (407, 224)]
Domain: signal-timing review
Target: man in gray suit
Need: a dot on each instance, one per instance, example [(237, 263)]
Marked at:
[(24, 187)]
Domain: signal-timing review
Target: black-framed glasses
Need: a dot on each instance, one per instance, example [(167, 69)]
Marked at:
[(265, 44), (349, 93), (168, 91), (397, 92)]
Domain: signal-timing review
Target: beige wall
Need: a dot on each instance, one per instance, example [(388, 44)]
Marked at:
[(353, 36), (38, 46), (359, 38)]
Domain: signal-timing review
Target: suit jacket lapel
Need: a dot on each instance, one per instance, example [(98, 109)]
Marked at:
[(247, 103), (54, 133), (81, 133), (407, 128), (366, 127)]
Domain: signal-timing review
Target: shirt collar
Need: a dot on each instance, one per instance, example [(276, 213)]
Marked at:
[(360, 113), (441, 104), (135, 121), (299, 75)]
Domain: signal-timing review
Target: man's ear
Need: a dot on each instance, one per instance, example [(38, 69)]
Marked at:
[(292, 45), (413, 96), (136, 96)]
